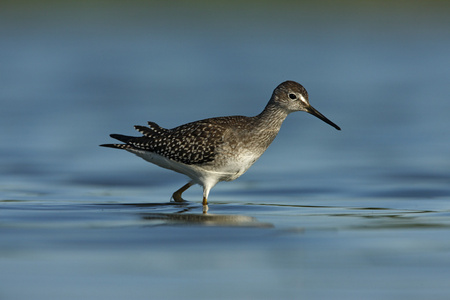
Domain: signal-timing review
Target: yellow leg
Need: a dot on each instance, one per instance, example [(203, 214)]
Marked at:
[(205, 205), (177, 195), (206, 189)]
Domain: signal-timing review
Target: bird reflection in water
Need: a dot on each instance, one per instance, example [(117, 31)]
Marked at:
[(185, 216)]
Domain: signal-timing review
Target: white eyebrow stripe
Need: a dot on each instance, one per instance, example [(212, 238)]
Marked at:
[(303, 99)]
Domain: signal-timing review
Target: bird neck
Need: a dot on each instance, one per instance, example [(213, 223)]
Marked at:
[(272, 117)]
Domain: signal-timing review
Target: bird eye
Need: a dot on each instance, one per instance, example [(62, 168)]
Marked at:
[(292, 96)]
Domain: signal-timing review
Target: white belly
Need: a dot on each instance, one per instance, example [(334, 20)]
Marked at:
[(222, 171)]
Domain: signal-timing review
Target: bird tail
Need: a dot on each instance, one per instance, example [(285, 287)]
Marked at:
[(122, 138)]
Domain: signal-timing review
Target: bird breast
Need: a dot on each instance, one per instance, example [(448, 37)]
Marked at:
[(238, 152)]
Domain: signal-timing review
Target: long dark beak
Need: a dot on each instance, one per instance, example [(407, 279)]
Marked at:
[(316, 113)]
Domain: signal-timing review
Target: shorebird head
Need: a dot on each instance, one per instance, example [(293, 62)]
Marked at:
[(292, 96)]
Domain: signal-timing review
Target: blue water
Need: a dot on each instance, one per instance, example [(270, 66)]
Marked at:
[(361, 213)]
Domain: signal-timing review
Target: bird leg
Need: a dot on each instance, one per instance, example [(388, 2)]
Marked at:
[(177, 195), (206, 189), (205, 205)]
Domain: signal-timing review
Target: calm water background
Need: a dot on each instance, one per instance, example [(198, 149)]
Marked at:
[(359, 214)]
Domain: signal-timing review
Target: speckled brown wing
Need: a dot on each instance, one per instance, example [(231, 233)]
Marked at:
[(192, 143)]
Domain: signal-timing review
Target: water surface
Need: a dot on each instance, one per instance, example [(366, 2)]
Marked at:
[(361, 213)]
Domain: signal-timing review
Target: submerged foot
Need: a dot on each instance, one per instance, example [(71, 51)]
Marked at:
[(177, 195)]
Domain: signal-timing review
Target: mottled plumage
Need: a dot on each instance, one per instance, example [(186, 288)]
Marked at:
[(217, 149), (190, 144)]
